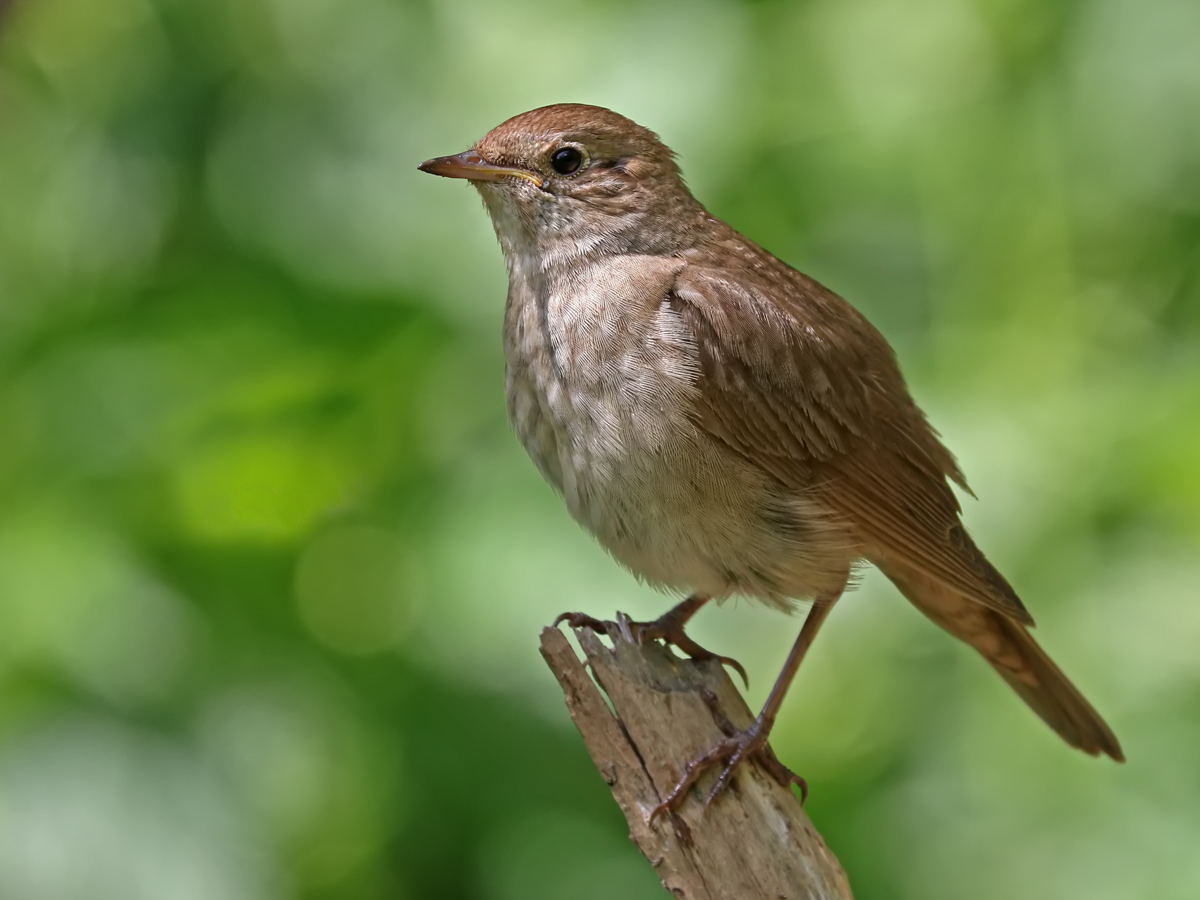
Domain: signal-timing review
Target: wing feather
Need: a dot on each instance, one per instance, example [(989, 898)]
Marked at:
[(797, 381)]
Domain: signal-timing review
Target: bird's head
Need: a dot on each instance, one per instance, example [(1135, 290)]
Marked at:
[(570, 181)]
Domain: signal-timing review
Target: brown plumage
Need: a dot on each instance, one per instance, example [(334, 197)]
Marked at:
[(719, 421)]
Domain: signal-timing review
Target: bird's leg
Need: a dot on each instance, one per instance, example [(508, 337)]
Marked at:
[(668, 628), (739, 745)]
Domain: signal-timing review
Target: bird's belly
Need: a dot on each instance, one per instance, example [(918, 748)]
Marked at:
[(673, 506), (602, 381)]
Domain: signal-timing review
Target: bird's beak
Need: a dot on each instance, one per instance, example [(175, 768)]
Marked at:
[(473, 167)]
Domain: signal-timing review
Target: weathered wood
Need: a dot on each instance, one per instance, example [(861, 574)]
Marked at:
[(755, 841)]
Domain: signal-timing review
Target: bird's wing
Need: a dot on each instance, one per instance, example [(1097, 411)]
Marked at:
[(798, 382)]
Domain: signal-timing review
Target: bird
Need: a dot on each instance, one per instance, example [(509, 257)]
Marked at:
[(721, 423)]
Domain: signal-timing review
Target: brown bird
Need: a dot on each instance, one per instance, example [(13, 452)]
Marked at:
[(722, 423)]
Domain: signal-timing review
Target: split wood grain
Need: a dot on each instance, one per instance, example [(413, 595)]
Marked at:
[(643, 713)]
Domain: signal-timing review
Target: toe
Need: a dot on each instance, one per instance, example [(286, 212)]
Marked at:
[(679, 638), (580, 620), (737, 667)]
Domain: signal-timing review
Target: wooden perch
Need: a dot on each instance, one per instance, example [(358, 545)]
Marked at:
[(755, 841)]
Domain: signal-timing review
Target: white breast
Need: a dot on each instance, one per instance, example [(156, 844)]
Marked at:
[(601, 373), (602, 386)]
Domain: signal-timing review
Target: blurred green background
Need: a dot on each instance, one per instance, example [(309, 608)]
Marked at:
[(272, 569)]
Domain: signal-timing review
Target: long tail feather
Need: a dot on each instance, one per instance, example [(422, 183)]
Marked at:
[(1012, 651)]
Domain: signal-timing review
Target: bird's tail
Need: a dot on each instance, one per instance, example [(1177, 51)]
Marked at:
[(1012, 651)]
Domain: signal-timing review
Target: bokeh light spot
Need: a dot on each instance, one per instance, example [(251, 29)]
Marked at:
[(259, 487), (350, 588)]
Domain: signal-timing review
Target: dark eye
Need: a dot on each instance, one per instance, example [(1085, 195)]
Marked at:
[(566, 160)]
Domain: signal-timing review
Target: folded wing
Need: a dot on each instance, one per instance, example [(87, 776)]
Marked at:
[(796, 380)]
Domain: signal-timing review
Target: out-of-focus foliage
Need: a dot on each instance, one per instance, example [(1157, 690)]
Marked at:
[(272, 570)]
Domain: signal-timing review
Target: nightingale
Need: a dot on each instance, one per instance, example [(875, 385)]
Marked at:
[(720, 422)]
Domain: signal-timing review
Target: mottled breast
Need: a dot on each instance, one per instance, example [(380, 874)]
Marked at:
[(600, 371), (602, 379)]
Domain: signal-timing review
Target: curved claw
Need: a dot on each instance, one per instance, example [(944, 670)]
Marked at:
[(695, 651), (783, 774), (737, 667), (733, 750), (673, 634)]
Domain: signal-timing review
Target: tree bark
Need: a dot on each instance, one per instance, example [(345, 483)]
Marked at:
[(755, 841)]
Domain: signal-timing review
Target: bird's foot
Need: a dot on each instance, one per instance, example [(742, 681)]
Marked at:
[(667, 628), (583, 620), (738, 746)]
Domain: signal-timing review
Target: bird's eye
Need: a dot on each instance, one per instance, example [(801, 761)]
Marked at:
[(566, 160)]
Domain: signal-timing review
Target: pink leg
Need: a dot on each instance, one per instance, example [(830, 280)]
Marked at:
[(753, 740)]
